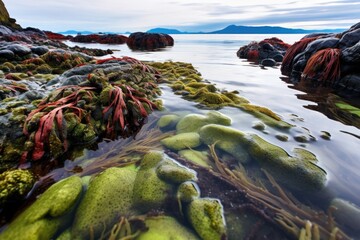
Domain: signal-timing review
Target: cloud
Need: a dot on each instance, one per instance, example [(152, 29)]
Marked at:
[(137, 15)]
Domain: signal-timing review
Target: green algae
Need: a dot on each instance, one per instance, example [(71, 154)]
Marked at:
[(45, 216), (168, 121), (166, 228), (15, 184), (108, 196), (200, 158), (206, 216), (182, 141)]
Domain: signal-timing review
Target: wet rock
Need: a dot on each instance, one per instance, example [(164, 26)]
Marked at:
[(298, 172), (14, 185), (108, 197), (149, 41), (45, 216), (193, 122), (165, 227), (19, 49), (351, 54), (168, 121), (350, 38), (6, 54), (182, 141), (270, 48), (100, 38), (206, 217), (39, 50), (268, 62), (282, 137), (325, 135)]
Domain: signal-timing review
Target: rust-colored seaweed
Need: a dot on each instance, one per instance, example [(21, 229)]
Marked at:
[(324, 65), (292, 51)]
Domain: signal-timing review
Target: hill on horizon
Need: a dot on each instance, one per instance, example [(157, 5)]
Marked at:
[(231, 29)]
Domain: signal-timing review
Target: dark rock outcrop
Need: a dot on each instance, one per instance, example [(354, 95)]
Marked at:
[(326, 60), (266, 52), (149, 41), (100, 38), (5, 18)]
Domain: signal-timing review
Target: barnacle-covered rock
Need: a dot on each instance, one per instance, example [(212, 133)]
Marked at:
[(45, 216), (149, 41), (108, 197), (15, 184)]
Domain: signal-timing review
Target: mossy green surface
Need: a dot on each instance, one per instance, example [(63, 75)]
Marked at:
[(43, 218), (188, 191), (197, 157), (227, 139), (193, 122), (166, 228), (298, 172), (108, 197), (175, 173), (206, 217), (182, 141), (15, 184), (168, 121)]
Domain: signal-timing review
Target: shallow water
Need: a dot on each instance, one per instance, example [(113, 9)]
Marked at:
[(215, 57)]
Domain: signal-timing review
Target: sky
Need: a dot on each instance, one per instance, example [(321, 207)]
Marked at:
[(184, 15)]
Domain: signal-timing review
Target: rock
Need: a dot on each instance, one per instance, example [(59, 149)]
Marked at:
[(298, 172), (39, 50), (155, 180), (206, 217), (5, 18), (168, 121), (282, 137), (149, 41), (165, 227), (197, 157), (350, 39), (45, 216), (100, 38), (188, 191), (182, 141), (226, 139), (270, 48), (350, 82), (268, 62), (319, 44), (14, 185), (6, 54), (325, 135), (193, 122), (351, 54), (346, 214), (108, 197), (19, 49)]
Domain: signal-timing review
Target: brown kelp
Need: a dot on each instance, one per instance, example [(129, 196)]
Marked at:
[(324, 66)]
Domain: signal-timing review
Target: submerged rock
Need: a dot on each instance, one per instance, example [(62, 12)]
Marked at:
[(108, 197), (298, 172), (165, 227), (45, 216)]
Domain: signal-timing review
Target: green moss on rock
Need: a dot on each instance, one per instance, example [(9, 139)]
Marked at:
[(182, 141)]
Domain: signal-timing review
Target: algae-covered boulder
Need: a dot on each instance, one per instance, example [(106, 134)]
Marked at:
[(298, 172), (168, 121), (206, 217), (15, 184), (193, 122), (44, 217), (182, 141), (157, 179), (227, 139), (198, 157), (108, 197), (166, 228)]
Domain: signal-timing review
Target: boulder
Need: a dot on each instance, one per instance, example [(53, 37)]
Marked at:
[(149, 41), (100, 38)]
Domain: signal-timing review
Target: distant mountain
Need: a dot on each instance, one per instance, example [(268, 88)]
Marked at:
[(233, 29), (165, 30), (74, 32)]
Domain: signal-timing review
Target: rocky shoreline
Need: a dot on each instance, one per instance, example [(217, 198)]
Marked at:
[(160, 174)]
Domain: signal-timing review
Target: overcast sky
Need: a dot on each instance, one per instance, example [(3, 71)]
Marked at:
[(185, 15)]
